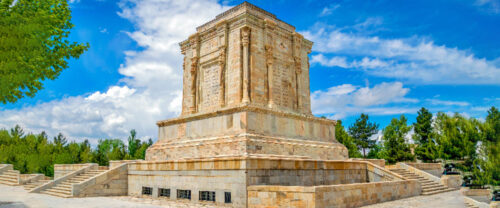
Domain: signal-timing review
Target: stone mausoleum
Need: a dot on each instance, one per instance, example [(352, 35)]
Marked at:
[(246, 118), (246, 136)]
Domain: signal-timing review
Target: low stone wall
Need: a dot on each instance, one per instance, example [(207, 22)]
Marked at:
[(347, 195), (5, 167), (63, 169), (435, 169), (452, 181), (110, 183), (466, 191)]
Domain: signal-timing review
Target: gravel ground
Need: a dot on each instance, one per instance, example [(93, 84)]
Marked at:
[(452, 199), (17, 197)]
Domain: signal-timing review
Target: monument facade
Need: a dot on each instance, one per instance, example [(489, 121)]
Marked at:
[(246, 92)]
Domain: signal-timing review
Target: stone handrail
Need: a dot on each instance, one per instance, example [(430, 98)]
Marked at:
[(6, 167), (419, 172), (76, 189), (476, 203), (61, 179), (382, 172), (32, 178)]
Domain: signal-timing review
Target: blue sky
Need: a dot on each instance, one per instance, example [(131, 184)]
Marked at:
[(380, 57)]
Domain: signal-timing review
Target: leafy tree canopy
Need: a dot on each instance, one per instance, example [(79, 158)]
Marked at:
[(34, 45)]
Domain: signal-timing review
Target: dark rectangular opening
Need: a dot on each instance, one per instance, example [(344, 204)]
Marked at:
[(162, 192), (147, 191), (184, 194), (207, 196), (227, 197)]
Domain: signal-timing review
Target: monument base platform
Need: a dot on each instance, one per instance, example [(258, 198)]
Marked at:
[(228, 178), (246, 130)]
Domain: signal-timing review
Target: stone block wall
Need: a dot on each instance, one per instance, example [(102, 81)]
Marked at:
[(234, 174), (110, 183), (218, 181), (245, 131), (306, 177), (348, 195)]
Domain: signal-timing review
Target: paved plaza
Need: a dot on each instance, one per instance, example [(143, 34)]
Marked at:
[(16, 196)]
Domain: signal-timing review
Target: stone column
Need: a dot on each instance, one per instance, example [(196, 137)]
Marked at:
[(222, 75), (298, 72), (194, 67), (269, 62), (194, 72), (245, 40)]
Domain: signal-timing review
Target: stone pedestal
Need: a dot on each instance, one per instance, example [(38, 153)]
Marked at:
[(246, 131), (452, 181)]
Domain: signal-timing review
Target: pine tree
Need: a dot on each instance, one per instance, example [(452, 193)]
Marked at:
[(426, 149), (343, 137), (361, 131), (396, 148)]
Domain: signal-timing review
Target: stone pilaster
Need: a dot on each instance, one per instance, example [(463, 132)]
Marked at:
[(245, 40)]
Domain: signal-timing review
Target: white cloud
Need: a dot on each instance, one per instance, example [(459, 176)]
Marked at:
[(447, 102), (411, 59), (344, 100), (152, 84), (491, 6), (329, 9)]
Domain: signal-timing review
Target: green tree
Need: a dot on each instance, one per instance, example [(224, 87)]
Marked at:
[(34, 45), (343, 137), (396, 148), (376, 152), (487, 165), (361, 131), (133, 144), (426, 149), (457, 137)]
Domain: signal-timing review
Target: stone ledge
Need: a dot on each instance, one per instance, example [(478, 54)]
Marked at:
[(247, 163), (246, 108)]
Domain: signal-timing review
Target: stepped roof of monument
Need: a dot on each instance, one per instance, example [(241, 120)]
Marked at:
[(243, 6)]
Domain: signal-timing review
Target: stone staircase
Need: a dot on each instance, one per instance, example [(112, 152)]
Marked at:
[(428, 187), (470, 205), (35, 184), (10, 177), (63, 189)]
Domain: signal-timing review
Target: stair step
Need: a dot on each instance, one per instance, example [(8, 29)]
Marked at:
[(9, 176), (436, 192), (60, 188), (433, 189), (56, 194), (59, 191)]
